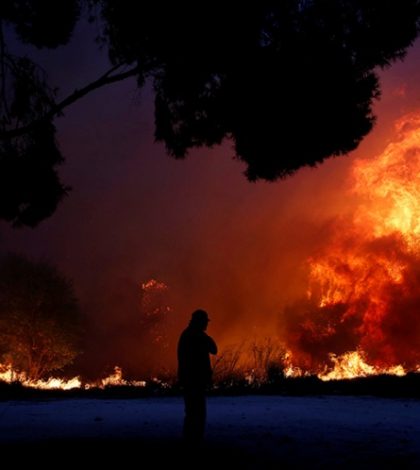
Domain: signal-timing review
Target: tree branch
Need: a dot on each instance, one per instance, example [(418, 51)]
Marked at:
[(57, 109), (3, 72)]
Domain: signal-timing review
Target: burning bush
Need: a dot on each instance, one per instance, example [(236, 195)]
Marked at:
[(40, 319)]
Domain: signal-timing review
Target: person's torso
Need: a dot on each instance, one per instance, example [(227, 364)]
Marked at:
[(194, 364)]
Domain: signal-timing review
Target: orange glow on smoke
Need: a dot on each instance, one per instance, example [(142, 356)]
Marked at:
[(361, 312), (362, 315)]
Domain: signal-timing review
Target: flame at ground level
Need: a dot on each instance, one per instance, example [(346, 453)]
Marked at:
[(346, 366), (352, 364), (8, 375)]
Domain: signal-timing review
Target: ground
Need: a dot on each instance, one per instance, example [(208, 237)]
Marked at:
[(242, 432)]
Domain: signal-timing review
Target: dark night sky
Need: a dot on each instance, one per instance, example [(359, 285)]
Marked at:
[(219, 242)]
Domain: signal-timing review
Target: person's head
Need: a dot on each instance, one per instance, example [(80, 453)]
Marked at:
[(199, 319)]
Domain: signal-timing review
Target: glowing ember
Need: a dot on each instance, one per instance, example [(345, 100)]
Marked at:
[(116, 379), (113, 379), (361, 316), (153, 298), (153, 284)]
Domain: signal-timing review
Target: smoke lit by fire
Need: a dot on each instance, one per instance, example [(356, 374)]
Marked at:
[(360, 315), (362, 311)]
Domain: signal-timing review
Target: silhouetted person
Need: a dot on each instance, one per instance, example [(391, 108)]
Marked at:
[(195, 374)]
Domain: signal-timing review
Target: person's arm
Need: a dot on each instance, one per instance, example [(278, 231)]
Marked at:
[(212, 347)]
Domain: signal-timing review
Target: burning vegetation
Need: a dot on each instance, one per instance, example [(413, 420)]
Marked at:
[(359, 316), (42, 333), (40, 318), (361, 313)]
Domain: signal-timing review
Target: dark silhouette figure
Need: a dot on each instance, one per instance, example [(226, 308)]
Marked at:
[(195, 374)]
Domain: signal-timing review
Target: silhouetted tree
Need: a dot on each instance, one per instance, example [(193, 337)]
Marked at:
[(30, 188), (290, 82), (40, 319)]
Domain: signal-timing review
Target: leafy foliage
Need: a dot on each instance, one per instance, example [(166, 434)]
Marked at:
[(42, 23), (290, 82), (30, 188), (40, 320)]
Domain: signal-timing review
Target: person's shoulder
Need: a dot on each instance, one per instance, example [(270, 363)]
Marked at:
[(183, 335), (185, 332)]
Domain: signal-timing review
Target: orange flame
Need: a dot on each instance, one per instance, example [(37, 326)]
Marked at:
[(8, 375), (361, 316), (116, 379), (352, 365)]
